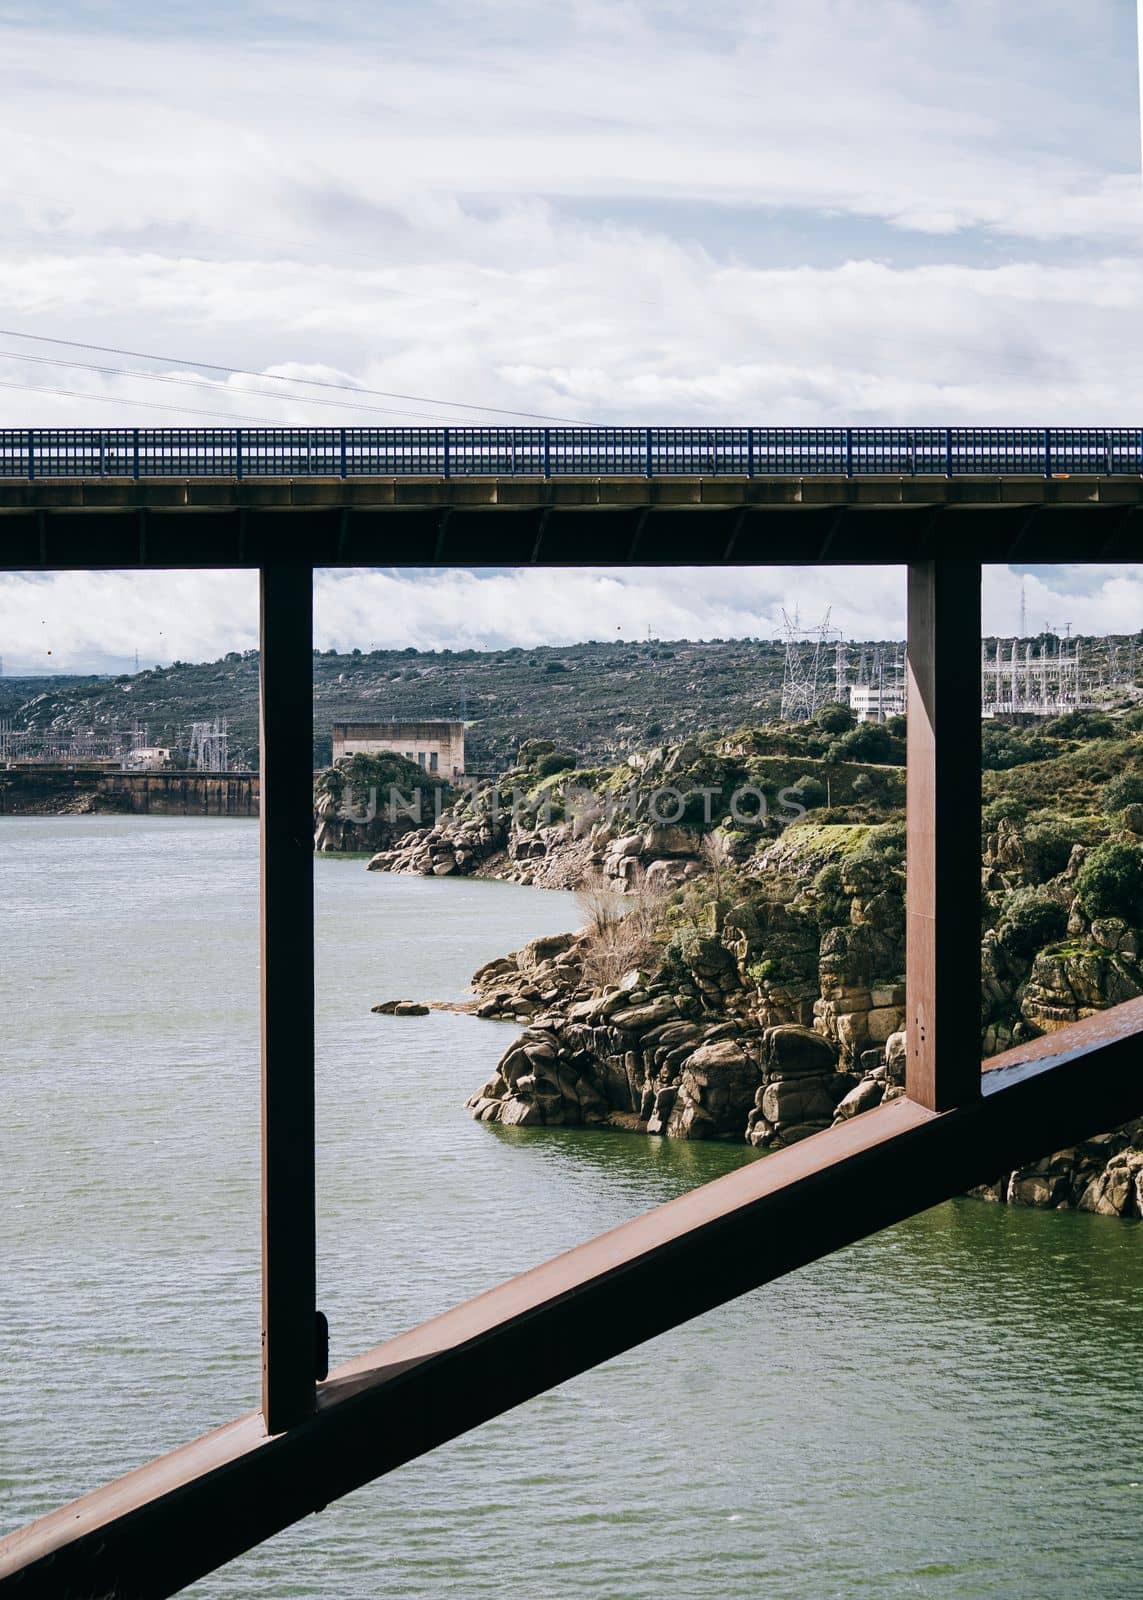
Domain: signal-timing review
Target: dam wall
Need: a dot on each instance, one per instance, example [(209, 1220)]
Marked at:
[(45, 790)]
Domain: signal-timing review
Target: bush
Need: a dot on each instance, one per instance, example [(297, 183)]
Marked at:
[(533, 749), (1110, 882), (810, 791), (1030, 920), (869, 741), (835, 718), (1081, 725), (1006, 809), (1048, 846), (1002, 748), (557, 761), (1126, 790)]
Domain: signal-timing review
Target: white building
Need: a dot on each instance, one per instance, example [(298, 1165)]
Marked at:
[(437, 746), (871, 702), (148, 758)]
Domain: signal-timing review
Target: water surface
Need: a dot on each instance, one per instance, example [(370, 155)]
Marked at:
[(948, 1409)]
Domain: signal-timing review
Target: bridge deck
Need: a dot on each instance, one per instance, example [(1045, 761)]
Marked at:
[(425, 521)]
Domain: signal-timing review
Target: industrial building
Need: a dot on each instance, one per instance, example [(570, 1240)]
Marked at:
[(1023, 679), (437, 745), (877, 702)]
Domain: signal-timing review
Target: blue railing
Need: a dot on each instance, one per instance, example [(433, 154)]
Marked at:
[(32, 453)]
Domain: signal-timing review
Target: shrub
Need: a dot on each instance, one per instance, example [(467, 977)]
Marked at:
[(1006, 809), (810, 791), (1048, 846), (1002, 748), (1030, 920), (533, 749), (835, 718), (1081, 725), (1110, 882), (556, 761), (869, 741), (1126, 790)]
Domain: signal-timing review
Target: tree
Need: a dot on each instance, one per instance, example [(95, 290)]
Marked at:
[(835, 718), (869, 741), (1110, 882), (811, 791)]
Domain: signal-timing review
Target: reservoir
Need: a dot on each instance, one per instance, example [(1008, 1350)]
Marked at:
[(947, 1409)]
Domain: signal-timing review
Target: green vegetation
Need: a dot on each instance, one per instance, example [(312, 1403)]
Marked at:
[(1031, 919), (1126, 790), (361, 773), (1110, 882)]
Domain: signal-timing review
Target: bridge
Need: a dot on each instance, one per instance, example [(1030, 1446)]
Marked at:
[(131, 497), (941, 502)]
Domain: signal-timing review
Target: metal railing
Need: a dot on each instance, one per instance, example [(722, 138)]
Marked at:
[(135, 453)]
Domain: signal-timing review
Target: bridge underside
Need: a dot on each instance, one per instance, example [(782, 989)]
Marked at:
[(223, 522)]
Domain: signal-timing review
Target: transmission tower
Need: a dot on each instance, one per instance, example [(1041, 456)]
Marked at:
[(209, 745), (804, 672)]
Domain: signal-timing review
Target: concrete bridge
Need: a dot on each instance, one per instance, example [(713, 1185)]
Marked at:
[(939, 501), (639, 496)]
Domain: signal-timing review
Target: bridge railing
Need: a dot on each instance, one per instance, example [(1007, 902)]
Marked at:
[(135, 453)]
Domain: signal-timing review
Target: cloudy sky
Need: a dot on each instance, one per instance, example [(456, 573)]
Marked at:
[(795, 211)]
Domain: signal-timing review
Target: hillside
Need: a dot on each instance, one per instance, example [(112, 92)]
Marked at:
[(597, 699)]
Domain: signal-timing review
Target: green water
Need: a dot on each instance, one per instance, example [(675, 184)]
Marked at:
[(949, 1409)]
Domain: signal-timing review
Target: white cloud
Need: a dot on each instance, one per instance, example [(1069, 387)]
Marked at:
[(95, 621), (482, 203), (768, 211)]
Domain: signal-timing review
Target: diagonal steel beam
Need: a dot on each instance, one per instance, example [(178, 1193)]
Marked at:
[(160, 1528)]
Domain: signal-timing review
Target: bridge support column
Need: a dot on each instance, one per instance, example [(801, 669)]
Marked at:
[(942, 940), (288, 1201)]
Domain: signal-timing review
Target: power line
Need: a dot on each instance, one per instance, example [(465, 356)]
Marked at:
[(273, 377), (147, 405), (203, 383)]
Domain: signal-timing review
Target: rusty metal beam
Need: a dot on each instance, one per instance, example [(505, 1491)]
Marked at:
[(162, 1527), (288, 1201), (942, 786)]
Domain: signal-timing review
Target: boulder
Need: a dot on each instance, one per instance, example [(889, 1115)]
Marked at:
[(791, 1051), (1118, 1190), (669, 840), (635, 1018), (716, 1092)]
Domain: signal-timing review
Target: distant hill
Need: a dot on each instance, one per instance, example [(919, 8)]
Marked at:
[(595, 699)]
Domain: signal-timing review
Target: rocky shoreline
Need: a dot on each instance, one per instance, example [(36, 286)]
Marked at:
[(776, 1015), (754, 990), (647, 1058)]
